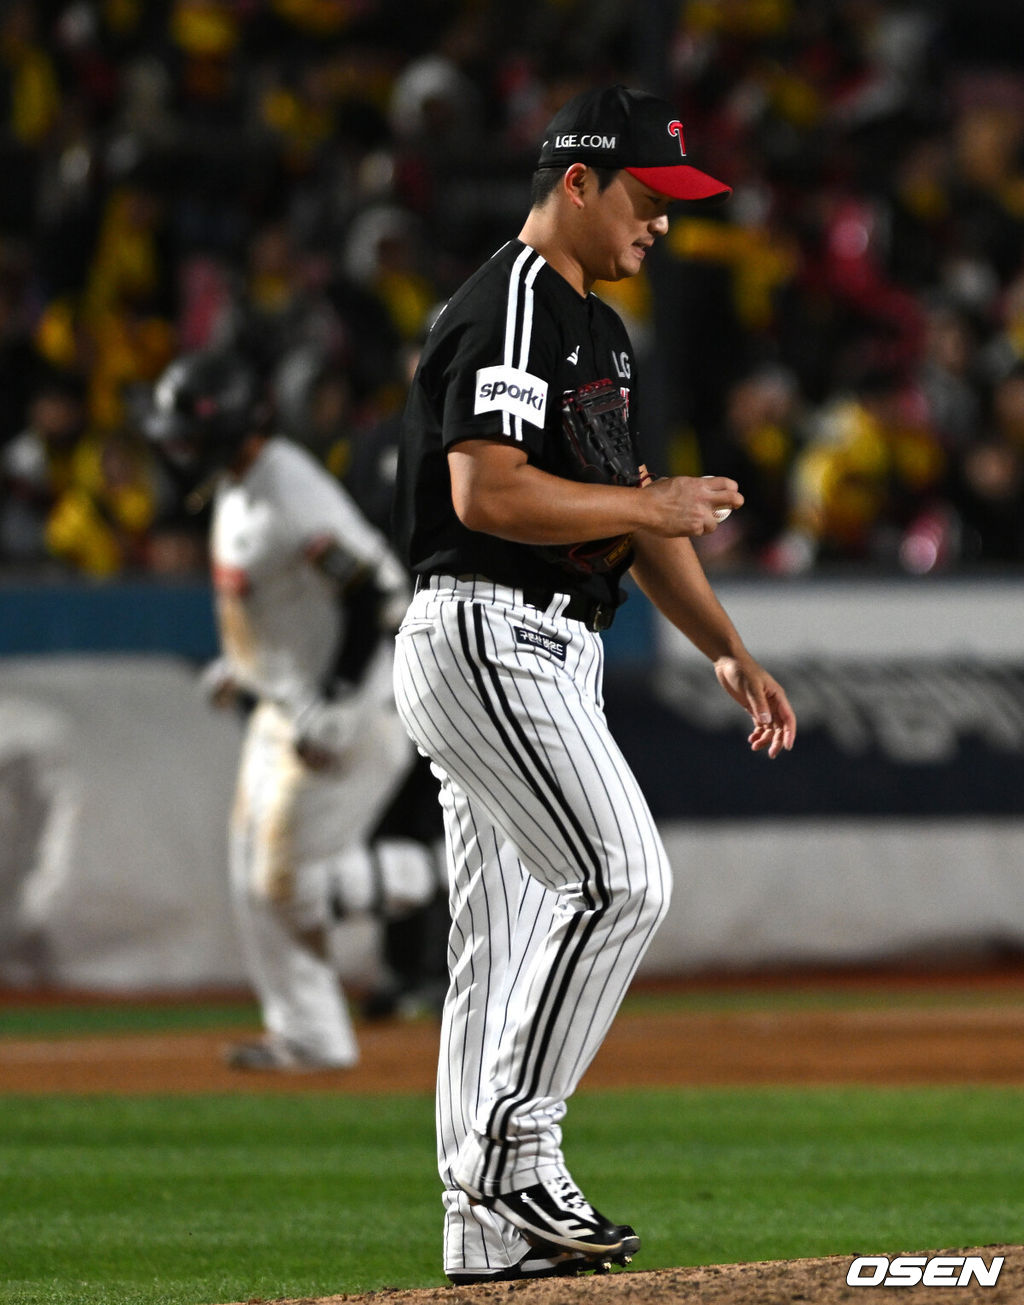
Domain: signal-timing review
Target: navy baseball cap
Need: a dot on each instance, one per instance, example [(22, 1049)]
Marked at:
[(616, 127)]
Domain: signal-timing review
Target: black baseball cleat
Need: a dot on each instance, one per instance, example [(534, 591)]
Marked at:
[(552, 1262), (557, 1214)]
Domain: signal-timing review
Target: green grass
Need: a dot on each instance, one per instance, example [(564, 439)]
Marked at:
[(747, 1174), (815, 997), (182, 1200), (153, 1201), (102, 1017)]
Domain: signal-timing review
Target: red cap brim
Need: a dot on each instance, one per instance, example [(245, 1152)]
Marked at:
[(680, 181)]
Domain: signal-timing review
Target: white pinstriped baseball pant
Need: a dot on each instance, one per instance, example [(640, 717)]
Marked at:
[(558, 882)]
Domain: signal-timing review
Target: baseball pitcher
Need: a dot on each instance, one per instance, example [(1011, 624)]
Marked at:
[(522, 501)]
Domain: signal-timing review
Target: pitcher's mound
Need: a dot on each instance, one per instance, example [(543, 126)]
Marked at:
[(770, 1282)]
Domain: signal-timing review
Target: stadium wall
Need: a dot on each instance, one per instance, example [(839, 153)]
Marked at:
[(895, 829)]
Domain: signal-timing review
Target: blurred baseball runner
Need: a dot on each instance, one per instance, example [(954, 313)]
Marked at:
[(522, 500), (308, 596)]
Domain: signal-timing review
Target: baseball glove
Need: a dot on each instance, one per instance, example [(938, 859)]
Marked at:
[(595, 423), (598, 448)]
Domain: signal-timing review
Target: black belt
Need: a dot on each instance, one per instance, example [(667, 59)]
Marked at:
[(594, 615)]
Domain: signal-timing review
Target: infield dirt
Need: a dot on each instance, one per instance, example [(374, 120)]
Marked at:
[(777, 1282)]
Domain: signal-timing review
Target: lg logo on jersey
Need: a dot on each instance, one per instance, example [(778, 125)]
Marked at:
[(936, 1271), (620, 361)]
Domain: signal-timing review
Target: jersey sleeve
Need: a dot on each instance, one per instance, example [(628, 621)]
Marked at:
[(316, 508), (496, 383)]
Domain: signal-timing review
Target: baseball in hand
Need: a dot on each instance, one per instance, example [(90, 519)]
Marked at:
[(720, 513)]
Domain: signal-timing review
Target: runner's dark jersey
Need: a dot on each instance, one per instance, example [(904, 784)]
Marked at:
[(507, 346)]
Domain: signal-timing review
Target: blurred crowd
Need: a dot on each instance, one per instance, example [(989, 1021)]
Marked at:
[(313, 177)]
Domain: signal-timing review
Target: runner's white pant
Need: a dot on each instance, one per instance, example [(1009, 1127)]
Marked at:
[(558, 882), (297, 846)]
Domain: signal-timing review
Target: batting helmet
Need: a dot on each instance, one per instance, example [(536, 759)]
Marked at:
[(203, 407)]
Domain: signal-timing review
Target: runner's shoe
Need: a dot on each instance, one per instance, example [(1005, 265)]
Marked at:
[(266, 1054)]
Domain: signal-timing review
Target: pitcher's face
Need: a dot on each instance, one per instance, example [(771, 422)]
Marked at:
[(625, 220)]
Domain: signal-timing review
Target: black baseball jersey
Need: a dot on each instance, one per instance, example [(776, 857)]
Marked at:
[(508, 346)]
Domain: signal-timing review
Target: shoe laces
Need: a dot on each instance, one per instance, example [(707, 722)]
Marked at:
[(570, 1196)]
